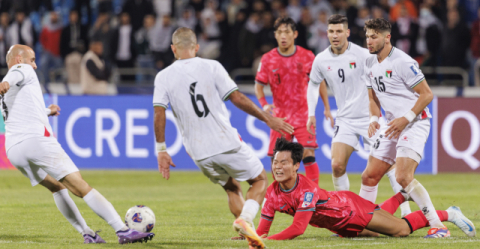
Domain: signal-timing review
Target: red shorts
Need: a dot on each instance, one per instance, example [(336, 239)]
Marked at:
[(303, 137), (362, 213)]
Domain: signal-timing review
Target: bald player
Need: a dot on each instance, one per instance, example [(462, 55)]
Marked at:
[(196, 90), (34, 151)]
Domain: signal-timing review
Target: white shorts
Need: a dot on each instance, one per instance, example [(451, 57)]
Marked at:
[(413, 137), (241, 164), (36, 157), (349, 131)]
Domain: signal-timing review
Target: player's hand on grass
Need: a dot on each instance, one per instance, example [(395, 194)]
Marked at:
[(279, 125), (396, 127), (55, 110), (312, 125), (269, 108), (164, 163), (328, 116), (4, 86), (372, 129)]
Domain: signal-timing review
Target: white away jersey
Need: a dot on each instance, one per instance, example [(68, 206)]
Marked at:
[(344, 75), (196, 89), (23, 106), (393, 81)]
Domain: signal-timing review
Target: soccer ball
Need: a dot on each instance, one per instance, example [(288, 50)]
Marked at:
[(140, 218)]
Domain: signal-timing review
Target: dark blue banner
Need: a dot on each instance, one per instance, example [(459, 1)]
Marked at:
[(116, 132)]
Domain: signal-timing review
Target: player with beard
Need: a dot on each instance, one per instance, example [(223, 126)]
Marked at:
[(341, 66), (399, 86), (286, 69)]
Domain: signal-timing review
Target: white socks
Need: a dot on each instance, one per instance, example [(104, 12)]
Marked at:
[(341, 183), (369, 193), (405, 206), (250, 210), (420, 195), (104, 209), (68, 208)]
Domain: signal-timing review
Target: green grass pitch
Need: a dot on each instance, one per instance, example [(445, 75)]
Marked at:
[(192, 212)]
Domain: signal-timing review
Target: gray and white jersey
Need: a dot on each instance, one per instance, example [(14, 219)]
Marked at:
[(196, 88), (393, 81), (345, 76)]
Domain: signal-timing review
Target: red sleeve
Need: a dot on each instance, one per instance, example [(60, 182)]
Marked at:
[(311, 58), (298, 227), (264, 225), (262, 72)]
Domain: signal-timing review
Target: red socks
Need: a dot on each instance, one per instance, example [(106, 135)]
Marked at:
[(417, 220), (312, 171), (391, 205)]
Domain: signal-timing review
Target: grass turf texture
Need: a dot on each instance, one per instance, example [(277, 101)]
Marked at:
[(192, 212)]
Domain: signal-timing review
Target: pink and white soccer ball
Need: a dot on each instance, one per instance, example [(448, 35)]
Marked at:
[(140, 218)]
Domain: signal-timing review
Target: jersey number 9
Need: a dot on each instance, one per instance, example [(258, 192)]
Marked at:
[(341, 74)]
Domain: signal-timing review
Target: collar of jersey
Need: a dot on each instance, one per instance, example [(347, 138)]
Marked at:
[(290, 190), (278, 51)]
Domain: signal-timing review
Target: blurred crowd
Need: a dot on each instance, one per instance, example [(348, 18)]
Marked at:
[(137, 33)]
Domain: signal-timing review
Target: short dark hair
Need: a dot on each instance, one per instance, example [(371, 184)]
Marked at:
[(378, 24), (285, 20), (296, 149), (337, 19)]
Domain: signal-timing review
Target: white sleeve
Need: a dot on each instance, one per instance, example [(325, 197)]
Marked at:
[(410, 73), (224, 84), (14, 77), (312, 97), (160, 94), (316, 75)]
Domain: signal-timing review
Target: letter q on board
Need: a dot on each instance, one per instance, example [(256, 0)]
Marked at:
[(447, 142)]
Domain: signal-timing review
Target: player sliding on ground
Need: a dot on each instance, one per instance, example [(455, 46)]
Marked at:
[(342, 212), (341, 66), (196, 90), (399, 86), (34, 151)]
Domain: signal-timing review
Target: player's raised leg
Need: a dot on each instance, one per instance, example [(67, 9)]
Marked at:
[(340, 154), (103, 208), (69, 210)]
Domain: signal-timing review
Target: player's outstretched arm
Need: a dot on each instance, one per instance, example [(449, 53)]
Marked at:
[(245, 104), (163, 158), (397, 125), (374, 108), (298, 227)]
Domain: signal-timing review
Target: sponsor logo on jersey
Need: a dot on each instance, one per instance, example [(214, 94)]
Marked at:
[(405, 138), (307, 200), (371, 75), (274, 70), (353, 65), (329, 68), (388, 73), (414, 70), (19, 66)]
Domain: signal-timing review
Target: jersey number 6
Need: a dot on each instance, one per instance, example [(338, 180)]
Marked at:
[(200, 98)]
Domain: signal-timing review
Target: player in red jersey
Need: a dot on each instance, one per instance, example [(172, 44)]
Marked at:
[(286, 69), (342, 212)]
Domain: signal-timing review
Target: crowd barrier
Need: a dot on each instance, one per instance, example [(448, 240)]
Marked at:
[(116, 132)]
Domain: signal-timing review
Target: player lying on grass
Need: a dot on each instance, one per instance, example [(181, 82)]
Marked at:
[(36, 153), (342, 212)]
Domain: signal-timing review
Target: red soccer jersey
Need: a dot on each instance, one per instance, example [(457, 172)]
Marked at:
[(331, 209), (288, 78)]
